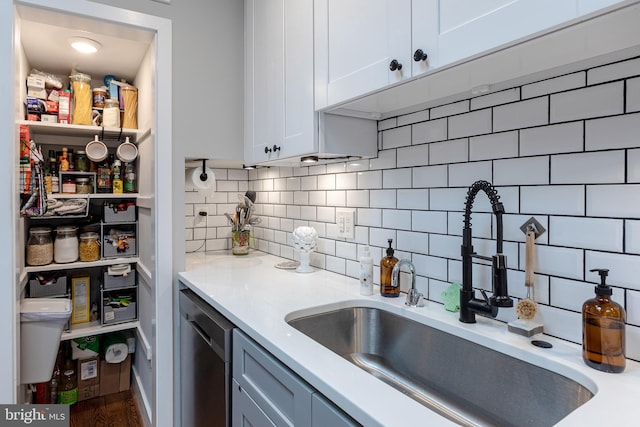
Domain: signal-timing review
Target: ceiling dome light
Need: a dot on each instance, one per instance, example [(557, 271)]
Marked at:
[(84, 45)]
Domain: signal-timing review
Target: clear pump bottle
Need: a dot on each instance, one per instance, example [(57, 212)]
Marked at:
[(603, 329)]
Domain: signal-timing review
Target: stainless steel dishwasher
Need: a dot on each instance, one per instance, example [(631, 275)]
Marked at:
[(205, 363)]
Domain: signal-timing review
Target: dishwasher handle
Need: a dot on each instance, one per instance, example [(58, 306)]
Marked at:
[(213, 327)]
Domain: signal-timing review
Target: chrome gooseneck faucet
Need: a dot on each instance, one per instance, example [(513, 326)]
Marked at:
[(469, 305), (414, 298)]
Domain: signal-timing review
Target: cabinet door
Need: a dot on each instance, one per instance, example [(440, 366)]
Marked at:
[(279, 393), (468, 27), (358, 40), (424, 35), (245, 412), (279, 110), (325, 413)]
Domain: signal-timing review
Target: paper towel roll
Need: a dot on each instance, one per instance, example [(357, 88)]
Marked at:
[(206, 187), (115, 348)]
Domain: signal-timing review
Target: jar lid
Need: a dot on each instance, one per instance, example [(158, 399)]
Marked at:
[(81, 152), (40, 230), (66, 229), (110, 102), (89, 236), (82, 180)]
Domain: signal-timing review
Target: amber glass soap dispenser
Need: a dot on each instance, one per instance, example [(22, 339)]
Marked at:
[(386, 267), (603, 321)]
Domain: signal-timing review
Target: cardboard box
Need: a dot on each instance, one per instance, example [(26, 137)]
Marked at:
[(88, 372), (115, 377), (49, 118), (64, 107), (85, 393)]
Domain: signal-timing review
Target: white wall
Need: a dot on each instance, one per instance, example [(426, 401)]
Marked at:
[(565, 150)]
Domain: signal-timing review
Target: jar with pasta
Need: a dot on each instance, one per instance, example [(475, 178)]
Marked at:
[(82, 99), (130, 97), (89, 247)]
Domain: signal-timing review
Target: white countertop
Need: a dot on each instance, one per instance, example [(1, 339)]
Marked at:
[(257, 297)]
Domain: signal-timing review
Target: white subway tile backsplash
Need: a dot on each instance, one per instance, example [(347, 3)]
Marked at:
[(521, 171), (358, 198), (580, 173), (523, 114), (412, 118), (633, 307), (633, 166), (588, 233), (632, 236), (387, 124), (556, 84), (431, 131), (308, 183), (613, 132), (429, 221), (449, 151), (624, 270), (382, 199), (633, 95), (497, 98), (562, 138), (396, 178), (494, 146), (430, 176), (469, 124), (616, 201), (413, 199), (593, 101), (615, 71), (561, 323), (416, 155), (553, 199), (367, 180), (604, 167), (465, 174), (399, 219), (562, 262), (450, 109), (397, 137), (336, 198), (410, 241), (386, 160), (369, 217)]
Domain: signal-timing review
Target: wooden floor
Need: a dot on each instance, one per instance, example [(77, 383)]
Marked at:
[(114, 410)]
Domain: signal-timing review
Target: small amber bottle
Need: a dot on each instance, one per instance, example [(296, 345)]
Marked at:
[(603, 330), (386, 267)]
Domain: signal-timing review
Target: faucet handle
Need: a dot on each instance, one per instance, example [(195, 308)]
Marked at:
[(484, 295), (414, 298)]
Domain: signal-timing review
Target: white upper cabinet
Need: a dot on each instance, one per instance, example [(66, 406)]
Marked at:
[(280, 120), (468, 27), (279, 113)]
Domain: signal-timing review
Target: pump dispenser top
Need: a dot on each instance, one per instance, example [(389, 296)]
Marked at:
[(603, 329)]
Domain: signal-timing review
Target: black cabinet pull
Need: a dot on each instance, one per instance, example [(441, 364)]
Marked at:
[(395, 65), (267, 150), (275, 148), (419, 55)]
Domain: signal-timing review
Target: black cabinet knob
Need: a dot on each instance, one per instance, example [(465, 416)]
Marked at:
[(267, 150), (395, 65), (276, 148), (419, 55)]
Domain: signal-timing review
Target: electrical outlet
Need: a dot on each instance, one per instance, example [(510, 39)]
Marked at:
[(346, 222)]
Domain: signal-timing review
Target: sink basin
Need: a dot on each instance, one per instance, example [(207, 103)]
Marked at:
[(465, 382)]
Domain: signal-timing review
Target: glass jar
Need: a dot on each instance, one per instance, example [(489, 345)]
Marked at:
[(111, 113), (82, 162), (89, 247), (68, 185), (39, 246), (65, 247), (84, 186)]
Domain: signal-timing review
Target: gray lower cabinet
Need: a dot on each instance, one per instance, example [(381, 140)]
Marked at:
[(267, 393)]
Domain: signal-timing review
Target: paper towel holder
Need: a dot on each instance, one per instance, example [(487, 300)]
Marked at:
[(203, 175)]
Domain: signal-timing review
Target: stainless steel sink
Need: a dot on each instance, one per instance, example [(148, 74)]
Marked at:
[(468, 383)]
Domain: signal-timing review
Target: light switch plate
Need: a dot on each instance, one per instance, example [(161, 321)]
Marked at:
[(346, 222)]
